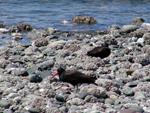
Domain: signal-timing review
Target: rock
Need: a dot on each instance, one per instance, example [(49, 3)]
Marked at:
[(50, 30), (34, 110), (4, 103), (2, 25), (104, 82), (46, 65), (61, 97), (8, 111), (24, 27), (132, 84), (146, 38), (140, 41), (138, 21), (129, 111), (40, 42), (109, 101), (139, 95), (3, 63), (129, 28), (4, 30), (16, 36), (75, 101), (146, 26), (98, 92), (31, 50), (128, 91), (35, 78), (84, 20), (36, 34), (18, 71)]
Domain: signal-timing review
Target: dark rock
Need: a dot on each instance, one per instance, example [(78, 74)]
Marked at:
[(84, 20), (2, 25), (40, 42), (101, 52), (138, 21), (61, 97), (24, 27), (35, 78)]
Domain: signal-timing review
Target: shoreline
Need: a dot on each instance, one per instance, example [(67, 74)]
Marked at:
[(122, 77)]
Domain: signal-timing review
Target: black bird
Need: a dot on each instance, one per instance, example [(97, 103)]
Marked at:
[(73, 76), (99, 51)]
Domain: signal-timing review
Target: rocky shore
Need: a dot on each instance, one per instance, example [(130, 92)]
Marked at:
[(123, 78)]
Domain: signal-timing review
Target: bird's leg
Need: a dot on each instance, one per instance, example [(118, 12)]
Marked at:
[(77, 87)]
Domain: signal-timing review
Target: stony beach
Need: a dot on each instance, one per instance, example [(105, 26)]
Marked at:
[(123, 78)]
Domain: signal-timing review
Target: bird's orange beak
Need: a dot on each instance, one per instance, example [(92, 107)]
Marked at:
[(55, 73)]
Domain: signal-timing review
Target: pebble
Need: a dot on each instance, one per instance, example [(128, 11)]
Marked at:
[(128, 91), (4, 103), (35, 78)]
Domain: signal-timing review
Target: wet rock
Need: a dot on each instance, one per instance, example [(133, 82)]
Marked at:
[(84, 20), (4, 103), (129, 28), (146, 38), (61, 97), (35, 78), (36, 34), (24, 27), (138, 21), (50, 30), (46, 65), (4, 30), (40, 42), (16, 36)]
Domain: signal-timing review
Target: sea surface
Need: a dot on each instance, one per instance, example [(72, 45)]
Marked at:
[(52, 13)]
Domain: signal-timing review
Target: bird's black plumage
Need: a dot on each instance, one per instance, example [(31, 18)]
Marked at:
[(74, 77), (101, 52)]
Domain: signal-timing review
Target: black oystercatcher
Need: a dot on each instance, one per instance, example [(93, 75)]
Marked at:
[(74, 77), (101, 52)]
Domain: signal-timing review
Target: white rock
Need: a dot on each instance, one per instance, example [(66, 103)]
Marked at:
[(146, 26), (3, 30), (140, 41)]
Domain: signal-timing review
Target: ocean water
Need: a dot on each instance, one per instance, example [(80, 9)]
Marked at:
[(51, 13)]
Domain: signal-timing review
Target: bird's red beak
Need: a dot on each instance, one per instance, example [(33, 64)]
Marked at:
[(55, 73)]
